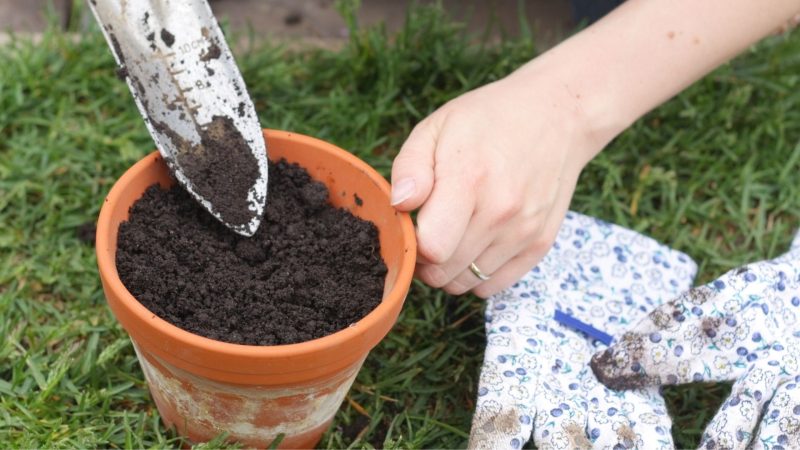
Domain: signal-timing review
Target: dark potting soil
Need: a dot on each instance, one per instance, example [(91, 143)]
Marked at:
[(310, 270)]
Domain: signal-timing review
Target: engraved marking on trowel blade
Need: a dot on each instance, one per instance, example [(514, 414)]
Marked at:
[(193, 45), (181, 96), (160, 55)]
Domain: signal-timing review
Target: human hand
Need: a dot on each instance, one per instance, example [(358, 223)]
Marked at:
[(536, 377), (494, 169), (744, 328), (493, 172)]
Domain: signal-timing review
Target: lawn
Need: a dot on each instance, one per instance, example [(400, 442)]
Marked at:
[(715, 172)]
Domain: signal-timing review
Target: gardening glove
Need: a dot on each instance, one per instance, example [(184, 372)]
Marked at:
[(743, 328), (536, 378)]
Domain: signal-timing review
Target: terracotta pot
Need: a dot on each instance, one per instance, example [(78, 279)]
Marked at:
[(256, 393)]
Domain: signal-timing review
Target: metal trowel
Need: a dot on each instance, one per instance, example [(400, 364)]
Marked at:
[(189, 90)]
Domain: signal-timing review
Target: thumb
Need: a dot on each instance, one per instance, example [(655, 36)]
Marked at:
[(412, 169)]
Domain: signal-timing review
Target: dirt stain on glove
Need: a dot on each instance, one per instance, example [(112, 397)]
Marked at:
[(619, 368), (710, 325), (577, 437), (489, 427), (663, 320), (626, 435), (700, 295), (504, 423)]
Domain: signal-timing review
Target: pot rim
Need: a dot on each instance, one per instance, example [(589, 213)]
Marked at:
[(381, 313)]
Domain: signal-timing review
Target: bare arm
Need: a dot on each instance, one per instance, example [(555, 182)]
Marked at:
[(647, 51)]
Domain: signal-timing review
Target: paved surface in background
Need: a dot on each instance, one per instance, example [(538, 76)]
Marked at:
[(317, 21), (29, 16)]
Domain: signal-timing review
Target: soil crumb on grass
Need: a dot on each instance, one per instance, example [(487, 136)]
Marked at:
[(86, 232), (310, 270)]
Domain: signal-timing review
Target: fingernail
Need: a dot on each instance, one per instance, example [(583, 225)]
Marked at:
[(403, 190)]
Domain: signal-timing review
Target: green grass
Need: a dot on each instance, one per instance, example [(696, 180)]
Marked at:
[(713, 172)]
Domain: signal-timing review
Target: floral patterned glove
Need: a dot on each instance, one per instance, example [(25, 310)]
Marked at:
[(742, 327), (536, 375)]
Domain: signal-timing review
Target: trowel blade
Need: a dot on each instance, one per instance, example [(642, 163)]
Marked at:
[(188, 88)]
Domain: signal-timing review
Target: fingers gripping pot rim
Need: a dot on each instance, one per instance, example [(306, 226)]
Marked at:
[(255, 393)]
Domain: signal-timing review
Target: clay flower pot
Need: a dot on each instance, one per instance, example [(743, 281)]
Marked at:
[(258, 393)]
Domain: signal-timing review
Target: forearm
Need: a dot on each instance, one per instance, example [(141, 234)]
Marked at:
[(646, 51)]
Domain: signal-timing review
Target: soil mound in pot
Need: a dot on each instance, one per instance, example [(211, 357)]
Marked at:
[(310, 270)]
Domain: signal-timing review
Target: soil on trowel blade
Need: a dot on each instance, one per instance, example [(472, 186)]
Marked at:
[(221, 168), (310, 270)]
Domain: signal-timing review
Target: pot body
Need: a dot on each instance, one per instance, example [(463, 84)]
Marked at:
[(204, 387), (254, 415)]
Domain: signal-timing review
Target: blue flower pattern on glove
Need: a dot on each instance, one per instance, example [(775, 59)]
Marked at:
[(744, 328), (536, 380)]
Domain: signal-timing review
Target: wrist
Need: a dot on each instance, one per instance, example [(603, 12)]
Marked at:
[(584, 96)]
